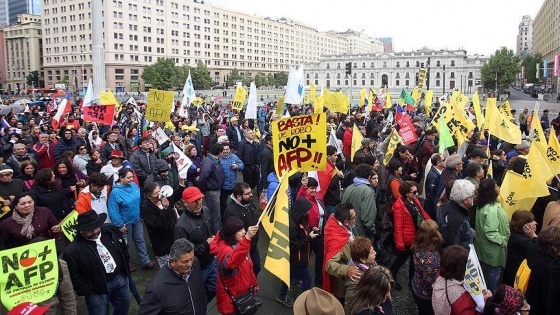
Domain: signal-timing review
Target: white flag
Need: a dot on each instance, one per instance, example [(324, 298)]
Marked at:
[(88, 97), (334, 141), (474, 279), (132, 101), (160, 136), (189, 95), (182, 161), (294, 88), (251, 112)]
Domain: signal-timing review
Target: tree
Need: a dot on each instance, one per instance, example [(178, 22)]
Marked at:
[(247, 79), (233, 77), (33, 78), (162, 75), (201, 78), (530, 62), (260, 80), (503, 65), (65, 81), (281, 78), (270, 80)]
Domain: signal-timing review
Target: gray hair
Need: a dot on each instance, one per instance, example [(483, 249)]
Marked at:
[(473, 168), (180, 247), (462, 189), (19, 145), (452, 162), (524, 145)]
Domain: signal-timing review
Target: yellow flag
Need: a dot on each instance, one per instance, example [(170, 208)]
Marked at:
[(313, 92), (490, 173), (336, 102), (29, 273), (239, 99), (280, 106), (318, 106), (357, 138), (505, 109), (509, 194), (416, 94), (388, 103), (275, 221), (393, 144), (490, 102), (501, 127), (428, 101), (363, 94), (477, 110), (107, 98), (455, 97), (67, 223), (553, 152)]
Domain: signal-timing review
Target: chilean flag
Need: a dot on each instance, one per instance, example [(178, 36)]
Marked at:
[(64, 108)]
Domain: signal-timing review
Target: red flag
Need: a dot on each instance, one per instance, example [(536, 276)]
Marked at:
[(324, 179), (99, 113), (406, 128), (64, 108)]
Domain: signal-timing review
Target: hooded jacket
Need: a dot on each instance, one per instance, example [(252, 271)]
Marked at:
[(160, 166), (244, 212), (124, 204), (273, 182), (235, 270), (362, 196), (300, 241), (63, 145)]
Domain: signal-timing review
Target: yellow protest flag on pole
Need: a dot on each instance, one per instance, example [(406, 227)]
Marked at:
[(363, 94), (29, 273), (388, 102), (393, 144), (505, 109), (280, 106), (509, 194), (313, 92), (357, 138), (490, 102), (416, 94), (501, 127), (428, 101), (553, 152), (276, 223), (239, 99), (477, 110)]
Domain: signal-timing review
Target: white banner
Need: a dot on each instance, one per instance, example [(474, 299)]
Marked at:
[(160, 136), (474, 279), (183, 162), (251, 112)]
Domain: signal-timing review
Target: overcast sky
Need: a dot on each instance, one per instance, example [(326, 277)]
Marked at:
[(478, 26)]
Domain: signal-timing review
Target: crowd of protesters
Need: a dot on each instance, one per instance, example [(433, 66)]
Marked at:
[(422, 207)]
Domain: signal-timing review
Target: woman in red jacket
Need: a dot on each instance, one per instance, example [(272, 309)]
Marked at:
[(235, 268), (408, 214)]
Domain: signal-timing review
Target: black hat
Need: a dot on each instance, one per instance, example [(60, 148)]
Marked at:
[(479, 153), (90, 220)]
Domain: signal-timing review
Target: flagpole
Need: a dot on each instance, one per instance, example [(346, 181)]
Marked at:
[(274, 194)]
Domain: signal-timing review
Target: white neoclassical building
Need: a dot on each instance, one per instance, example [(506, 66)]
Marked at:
[(448, 70)]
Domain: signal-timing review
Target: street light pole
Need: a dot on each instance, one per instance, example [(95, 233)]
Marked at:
[(82, 73), (444, 79)]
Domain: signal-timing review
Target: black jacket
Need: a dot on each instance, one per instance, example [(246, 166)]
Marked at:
[(518, 245), (160, 224), (300, 241), (197, 229), (453, 222), (248, 153), (539, 281), (211, 176), (231, 133), (246, 214), (434, 188), (169, 294), (267, 164), (56, 201), (85, 266)]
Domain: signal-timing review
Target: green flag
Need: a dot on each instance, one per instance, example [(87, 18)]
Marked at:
[(406, 98), (445, 138)]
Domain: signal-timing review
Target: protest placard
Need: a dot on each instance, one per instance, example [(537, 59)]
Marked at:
[(182, 161), (393, 144), (239, 99), (474, 279), (29, 273), (160, 104), (299, 143), (99, 113), (67, 223)]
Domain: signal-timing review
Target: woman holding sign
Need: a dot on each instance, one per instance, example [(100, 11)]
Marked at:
[(26, 223)]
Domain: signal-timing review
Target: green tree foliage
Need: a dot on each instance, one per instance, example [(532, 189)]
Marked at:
[(260, 80), (281, 78), (505, 64), (270, 79), (201, 78), (162, 75), (33, 78), (233, 77), (530, 62)]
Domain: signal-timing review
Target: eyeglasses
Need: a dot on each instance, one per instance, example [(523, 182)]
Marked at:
[(6, 174), (414, 192), (83, 148)]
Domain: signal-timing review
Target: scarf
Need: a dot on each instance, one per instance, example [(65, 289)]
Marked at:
[(336, 237), (27, 228)]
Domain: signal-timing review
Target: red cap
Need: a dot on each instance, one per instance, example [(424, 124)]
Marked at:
[(28, 308), (192, 194)]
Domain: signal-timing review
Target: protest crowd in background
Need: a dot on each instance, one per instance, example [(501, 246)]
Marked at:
[(345, 196)]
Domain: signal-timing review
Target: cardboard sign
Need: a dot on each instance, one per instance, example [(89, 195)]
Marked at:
[(29, 273), (160, 104), (66, 225), (99, 113), (239, 99), (300, 143)]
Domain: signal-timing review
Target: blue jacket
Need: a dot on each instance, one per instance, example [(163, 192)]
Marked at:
[(230, 175), (434, 188), (124, 204), (273, 182), (211, 176)]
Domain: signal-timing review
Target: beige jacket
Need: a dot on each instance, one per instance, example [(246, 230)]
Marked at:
[(552, 214)]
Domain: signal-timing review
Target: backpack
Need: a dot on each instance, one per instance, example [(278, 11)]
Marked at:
[(522, 277)]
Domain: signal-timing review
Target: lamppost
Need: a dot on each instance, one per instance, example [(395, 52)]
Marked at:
[(82, 74), (444, 79), (496, 91), (461, 83)]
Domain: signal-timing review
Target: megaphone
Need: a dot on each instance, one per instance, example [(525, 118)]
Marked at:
[(165, 191)]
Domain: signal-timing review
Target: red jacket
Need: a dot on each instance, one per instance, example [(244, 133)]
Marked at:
[(314, 215), (45, 153), (347, 142), (236, 270), (404, 227)]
